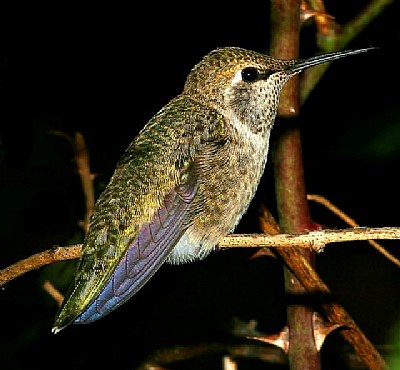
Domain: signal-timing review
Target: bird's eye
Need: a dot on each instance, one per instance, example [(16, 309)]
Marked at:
[(250, 74)]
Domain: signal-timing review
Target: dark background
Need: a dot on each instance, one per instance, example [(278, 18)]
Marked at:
[(105, 70)]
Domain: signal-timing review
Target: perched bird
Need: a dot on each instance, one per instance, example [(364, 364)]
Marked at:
[(185, 181)]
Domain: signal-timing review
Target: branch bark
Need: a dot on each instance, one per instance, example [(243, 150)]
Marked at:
[(315, 240), (292, 204)]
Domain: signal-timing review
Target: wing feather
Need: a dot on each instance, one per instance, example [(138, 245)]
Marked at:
[(144, 256)]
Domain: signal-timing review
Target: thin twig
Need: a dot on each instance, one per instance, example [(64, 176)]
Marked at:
[(39, 260), (53, 292), (82, 162), (315, 240), (351, 222)]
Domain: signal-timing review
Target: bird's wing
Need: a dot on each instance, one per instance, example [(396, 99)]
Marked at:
[(144, 255), (143, 212)]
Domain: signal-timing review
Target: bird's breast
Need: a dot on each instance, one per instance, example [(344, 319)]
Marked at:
[(228, 183)]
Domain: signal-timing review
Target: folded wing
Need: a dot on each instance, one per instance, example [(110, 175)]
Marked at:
[(145, 255)]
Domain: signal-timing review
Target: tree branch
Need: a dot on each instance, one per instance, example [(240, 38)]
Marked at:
[(313, 240)]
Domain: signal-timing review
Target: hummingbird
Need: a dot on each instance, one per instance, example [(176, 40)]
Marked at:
[(185, 181)]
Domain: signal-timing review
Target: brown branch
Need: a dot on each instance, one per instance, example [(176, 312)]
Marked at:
[(83, 167), (315, 240), (292, 204), (53, 292), (351, 222), (334, 312), (39, 260), (312, 240), (82, 162)]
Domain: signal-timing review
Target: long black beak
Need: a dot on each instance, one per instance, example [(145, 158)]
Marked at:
[(302, 64)]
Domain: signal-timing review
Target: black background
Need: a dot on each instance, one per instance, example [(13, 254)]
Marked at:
[(105, 70)]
